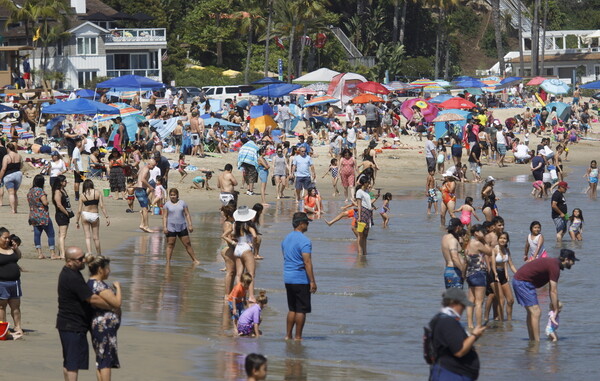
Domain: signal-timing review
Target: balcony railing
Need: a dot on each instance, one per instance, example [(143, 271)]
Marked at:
[(140, 72), (137, 35)]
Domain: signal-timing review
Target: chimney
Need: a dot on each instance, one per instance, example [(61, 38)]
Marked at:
[(79, 6)]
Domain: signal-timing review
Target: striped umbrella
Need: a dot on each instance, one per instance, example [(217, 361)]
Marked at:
[(491, 83), (304, 91), (423, 82), (397, 85), (434, 89), (124, 109), (321, 101)]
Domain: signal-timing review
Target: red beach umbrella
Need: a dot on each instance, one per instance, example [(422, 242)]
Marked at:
[(457, 103), (373, 87)]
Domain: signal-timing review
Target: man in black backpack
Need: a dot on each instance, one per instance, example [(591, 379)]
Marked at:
[(455, 356)]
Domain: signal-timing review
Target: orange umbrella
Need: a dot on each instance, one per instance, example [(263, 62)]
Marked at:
[(261, 123), (366, 98)]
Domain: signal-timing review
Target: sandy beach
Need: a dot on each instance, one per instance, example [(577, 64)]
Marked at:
[(165, 355)]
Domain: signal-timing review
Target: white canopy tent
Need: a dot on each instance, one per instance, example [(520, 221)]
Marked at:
[(320, 75)]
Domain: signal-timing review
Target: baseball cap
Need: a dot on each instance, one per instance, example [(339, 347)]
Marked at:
[(457, 295), (563, 184), (568, 254)]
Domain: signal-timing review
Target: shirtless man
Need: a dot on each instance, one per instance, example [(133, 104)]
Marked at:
[(227, 184), (31, 115), (455, 266), (197, 131), (141, 188)]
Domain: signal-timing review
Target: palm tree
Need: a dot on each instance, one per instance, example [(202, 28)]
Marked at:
[(498, 34), (535, 39), (442, 6), (251, 23), (520, 23), (268, 38)]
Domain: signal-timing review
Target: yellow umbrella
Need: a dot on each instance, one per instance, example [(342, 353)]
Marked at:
[(231, 73), (196, 67), (261, 123)]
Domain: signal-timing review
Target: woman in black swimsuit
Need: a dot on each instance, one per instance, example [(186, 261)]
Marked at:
[(489, 199), (90, 203), (63, 214)]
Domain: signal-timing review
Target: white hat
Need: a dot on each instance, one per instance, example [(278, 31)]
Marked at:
[(396, 139), (12, 120), (243, 214), (496, 122), (490, 178)]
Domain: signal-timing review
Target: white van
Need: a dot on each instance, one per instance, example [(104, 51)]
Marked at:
[(228, 92)]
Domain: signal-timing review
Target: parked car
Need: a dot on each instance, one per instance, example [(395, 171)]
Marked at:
[(228, 92), (192, 92)]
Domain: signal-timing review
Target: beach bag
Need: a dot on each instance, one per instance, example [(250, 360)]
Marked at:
[(429, 353)]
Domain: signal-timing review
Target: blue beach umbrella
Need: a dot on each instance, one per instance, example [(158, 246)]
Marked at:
[(267, 81), (275, 90), (85, 93), (562, 109), (555, 86), (472, 82), (592, 85), (440, 98), (80, 106)]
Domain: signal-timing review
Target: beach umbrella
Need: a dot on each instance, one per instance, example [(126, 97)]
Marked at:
[(8, 111), (434, 89), (474, 91), (222, 122), (536, 81), (321, 101), (81, 106), (555, 86), (372, 87), (443, 83), (399, 86), (510, 81), (461, 78), (131, 82), (428, 110), (591, 85), (366, 98), (563, 110), (305, 91), (448, 117), (50, 125), (319, 86), (275, 90), (440, 98), (456, 127), (85, 93), (267, 81), (470, 83), (457, 103), (261, 123), (423, 82), (125, 110)]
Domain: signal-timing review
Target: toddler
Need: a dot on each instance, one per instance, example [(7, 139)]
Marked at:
[(553, 321), (237, 298), (249, 320)]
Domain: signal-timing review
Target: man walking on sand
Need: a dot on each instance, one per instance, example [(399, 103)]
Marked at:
[(537, 274), (141, 193), (298, 274), (559, 209), (226, 184), (75, 300)]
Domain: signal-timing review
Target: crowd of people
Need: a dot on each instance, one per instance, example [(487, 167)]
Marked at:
[(137, 168)]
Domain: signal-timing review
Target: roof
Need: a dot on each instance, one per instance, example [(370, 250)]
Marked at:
[(90, 24), (15, 48), (595, 56)]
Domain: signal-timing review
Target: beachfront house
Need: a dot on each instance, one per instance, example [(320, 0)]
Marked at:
[(93, 46), (569, 55)]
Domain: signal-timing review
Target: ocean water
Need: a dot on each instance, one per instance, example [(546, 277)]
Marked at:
[(368, 312)]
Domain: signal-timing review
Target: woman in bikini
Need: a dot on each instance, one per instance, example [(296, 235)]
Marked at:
[(489, 208), (227, 246), (448, 197), (90, 203)]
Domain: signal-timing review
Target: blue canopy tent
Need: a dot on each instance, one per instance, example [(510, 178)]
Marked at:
[(440, 98), (563, 110), (592, 85), (441, 128), (275, 90), (130, 82), (80, 106)]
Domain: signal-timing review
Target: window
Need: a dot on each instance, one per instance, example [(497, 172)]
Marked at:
[(566, 72), (60, 47), (139, 61), (232, 90), (85, 77), (597, 71), (87, 46), (219, 90)]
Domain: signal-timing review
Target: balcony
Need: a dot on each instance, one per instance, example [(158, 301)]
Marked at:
[(137, 36), (150, 73)]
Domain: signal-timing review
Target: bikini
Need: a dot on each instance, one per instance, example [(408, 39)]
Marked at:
[(244, 244), (90, 217)]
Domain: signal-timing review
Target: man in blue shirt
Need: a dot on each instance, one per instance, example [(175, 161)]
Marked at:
[(298, 274), (304, 171)]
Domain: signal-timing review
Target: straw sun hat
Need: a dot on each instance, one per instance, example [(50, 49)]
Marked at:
[(243, 214)]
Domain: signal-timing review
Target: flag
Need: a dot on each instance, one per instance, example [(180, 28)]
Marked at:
[(37, 34), (306, 41), (279, 43), (320, 40), (165, 56)]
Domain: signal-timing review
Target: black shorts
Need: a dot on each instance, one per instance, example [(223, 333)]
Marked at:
[(298, 297), (182, 233), (61, 219), (501, 276), (78, 177), (371, 124), (75, 350)]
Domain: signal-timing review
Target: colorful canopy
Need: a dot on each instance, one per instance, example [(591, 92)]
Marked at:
[(124, 111), (80, 106), (423, 82), (305, 91), (321, 101), (396, 85), (261, 123)]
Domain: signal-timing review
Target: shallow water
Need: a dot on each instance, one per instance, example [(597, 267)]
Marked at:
[(368, 313)]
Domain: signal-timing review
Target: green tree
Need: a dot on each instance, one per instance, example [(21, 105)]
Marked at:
[(251, 22), (498, 34)]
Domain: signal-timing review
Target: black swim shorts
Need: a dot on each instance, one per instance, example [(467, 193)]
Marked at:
[(298, 297)]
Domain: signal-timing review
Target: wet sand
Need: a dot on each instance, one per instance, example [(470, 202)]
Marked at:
[(161, 355)]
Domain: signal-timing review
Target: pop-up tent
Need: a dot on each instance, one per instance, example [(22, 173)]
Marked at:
[(344, 87), (80, 106), (275, 90), (130, 82), (320, 75)]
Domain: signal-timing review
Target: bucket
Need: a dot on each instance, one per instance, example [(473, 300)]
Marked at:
[(106, 192), (157, 210), (360, 227), (3, 330)]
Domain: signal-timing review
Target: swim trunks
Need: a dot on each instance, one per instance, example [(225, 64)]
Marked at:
[(453, 278), (142, 197), (561, 224), (525, 293)]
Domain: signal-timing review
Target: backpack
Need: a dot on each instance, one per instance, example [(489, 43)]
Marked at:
[(429, 353)]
